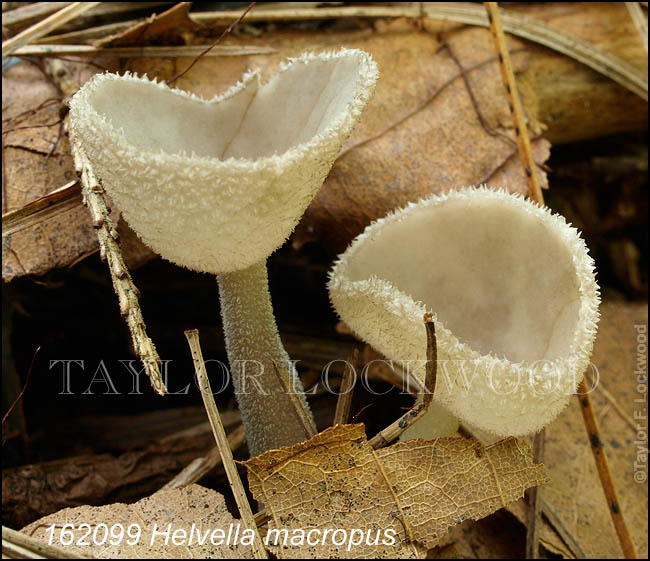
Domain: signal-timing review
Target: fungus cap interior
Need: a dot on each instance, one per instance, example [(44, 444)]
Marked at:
[(500, 278), (293, 107)]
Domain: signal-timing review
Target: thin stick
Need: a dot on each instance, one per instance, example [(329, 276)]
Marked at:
[(29, 374), (394, 430), (245, 512), (4, 178), (206, 51), (472, 14), (299, 14), (58, 200), (298, 406), (262, 517), (537, 31), (534, 495), (127, 292), (346, 390), (636, 13), (617, 406), (134, 52), (603, 472), (108, 237), (31, 13), (200, 467), (26, 15), (514, 102), (44, 27), (38, 548)]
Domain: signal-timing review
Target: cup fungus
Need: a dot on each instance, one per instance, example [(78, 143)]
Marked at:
[(512, 291), (216, 186)]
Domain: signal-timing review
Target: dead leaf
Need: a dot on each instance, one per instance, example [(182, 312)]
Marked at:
[(439, 120), (182, 509), (56, 242), (416, 489), (548, 536), (165, 28), (53, 229), (575, 491), (64, 233)]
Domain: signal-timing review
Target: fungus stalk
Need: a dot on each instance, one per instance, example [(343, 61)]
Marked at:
[(217, 186), (254, 346)]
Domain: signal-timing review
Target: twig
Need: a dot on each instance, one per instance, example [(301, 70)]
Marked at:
[(538, 32), (228, 30), (29, 373), (261, 517), (24, 546), (44, 27), (7, 131), (300, 14), (472, 14), (346, 390), (617, 406), (602, 466), (4, 177), (245, 512), (514, 102), (26, 15), (201, 466), (298, 405), (394, 430), (58, 200), (360, 412), (31, 13), (134, 52), (516, 24), (16, 119), (636, 13), (534, 495), (127, 293)]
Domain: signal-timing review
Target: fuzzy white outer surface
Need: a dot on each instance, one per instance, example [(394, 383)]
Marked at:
[(512, 290), (218, 185)]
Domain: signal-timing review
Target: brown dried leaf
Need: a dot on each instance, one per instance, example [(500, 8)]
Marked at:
[(56, 241), (180, 508), (422, 132), (575, 491), (52, 230), (548, 536), (418, 489), (50, 239), (165, 28)]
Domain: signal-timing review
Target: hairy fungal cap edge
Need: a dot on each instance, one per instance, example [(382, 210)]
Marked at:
[(218, 185), (513, 294)]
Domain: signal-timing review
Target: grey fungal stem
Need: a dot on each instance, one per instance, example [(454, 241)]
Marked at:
[(253, 345), (217, 186)]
